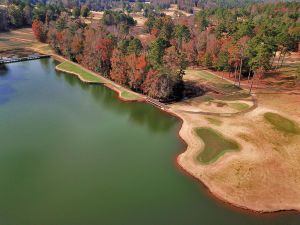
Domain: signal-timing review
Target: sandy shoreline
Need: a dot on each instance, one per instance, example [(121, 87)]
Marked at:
[(250, 198)]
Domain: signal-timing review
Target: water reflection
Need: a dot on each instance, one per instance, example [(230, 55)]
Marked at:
[(3, 70), (6, 93), (140, 113)]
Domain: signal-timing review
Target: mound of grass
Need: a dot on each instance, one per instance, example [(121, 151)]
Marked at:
[(215, 145), (72, 68), (214, 121), (129, 95), (238, 106), (281, 123)]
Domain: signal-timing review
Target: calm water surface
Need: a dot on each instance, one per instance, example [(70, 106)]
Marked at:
[(73, 154)]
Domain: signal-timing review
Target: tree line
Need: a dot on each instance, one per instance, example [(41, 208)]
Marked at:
[(106, 47), (19, 13), (243, 41)]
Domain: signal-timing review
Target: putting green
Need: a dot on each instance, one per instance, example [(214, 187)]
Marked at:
[(215, 145), (281, 123)]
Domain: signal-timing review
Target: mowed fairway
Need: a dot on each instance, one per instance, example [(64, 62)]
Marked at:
[(211, 80), (17, 38), (77, 70)]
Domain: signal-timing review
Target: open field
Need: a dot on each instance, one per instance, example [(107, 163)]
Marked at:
[(94, 16), (173, 11), (211, 80), (285, 76), (282, 79), (21, 38), (21, 42)]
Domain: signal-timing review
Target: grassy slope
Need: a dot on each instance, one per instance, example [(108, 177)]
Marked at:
[(72, 68), (213, 80)]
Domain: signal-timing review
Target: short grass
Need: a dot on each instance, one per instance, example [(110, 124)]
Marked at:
[(72, 68), (206, 75), (238, 106), (214, 121), (19, 38), (215, 145), (212, 80), (129, 95), (282, 124)]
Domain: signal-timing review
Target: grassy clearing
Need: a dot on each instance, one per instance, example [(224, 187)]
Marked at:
[(72, 68), (215, 145), (214, 121), (20, 38), (129, 95), (212, 80), (282, 124), (205, 75)]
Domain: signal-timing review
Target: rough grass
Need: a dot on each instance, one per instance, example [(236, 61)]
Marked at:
[(215, 145), (129, 95), (282, 124), (72, 68)]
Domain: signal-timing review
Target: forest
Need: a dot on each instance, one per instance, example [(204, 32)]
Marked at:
[(242, 40)]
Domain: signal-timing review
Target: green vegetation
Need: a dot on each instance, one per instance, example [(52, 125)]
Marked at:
[(72, 68), (129, 95), (215, 145), (214, 81), (238, 106), (214, 121), (281, 123)]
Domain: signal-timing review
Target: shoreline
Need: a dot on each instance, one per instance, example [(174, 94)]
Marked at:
[(183, 133)]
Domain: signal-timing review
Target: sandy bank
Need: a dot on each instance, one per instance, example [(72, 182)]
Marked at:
[(265, 175)]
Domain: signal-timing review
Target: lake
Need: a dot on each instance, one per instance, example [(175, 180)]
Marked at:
[(73, 154)]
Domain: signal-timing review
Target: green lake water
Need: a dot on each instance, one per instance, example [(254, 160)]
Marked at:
[(73, 154)]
